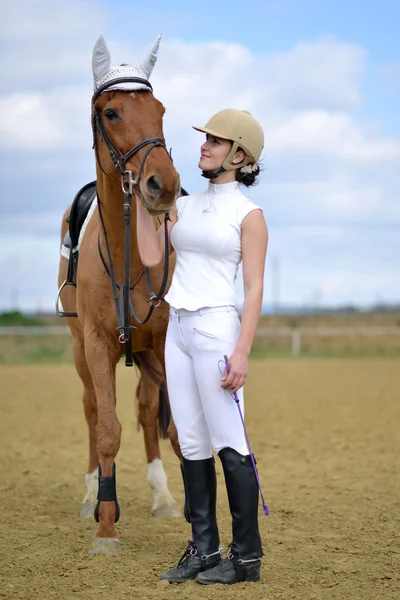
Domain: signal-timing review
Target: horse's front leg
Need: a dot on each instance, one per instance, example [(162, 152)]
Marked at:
[(102, 360), (90, 409)]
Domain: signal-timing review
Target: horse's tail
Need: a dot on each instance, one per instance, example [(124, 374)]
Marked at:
[(164, 412)]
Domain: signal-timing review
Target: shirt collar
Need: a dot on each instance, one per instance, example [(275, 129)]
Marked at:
[(216, 189)]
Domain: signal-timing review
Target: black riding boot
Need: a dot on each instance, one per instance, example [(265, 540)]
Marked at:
[(242, 563), (203, 550)]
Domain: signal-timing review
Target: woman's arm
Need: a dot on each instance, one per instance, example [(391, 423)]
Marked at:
[(151, 242), (254, 248)]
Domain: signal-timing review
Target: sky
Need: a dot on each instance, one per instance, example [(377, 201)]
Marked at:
[(321, 76)]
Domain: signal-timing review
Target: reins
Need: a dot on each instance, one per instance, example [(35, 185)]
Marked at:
[(124, 306)]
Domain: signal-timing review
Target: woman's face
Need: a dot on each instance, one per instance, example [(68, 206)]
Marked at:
[(213, 153)]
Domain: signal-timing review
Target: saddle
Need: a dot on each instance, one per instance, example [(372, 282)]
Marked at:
[(78, 213), (76, 218)]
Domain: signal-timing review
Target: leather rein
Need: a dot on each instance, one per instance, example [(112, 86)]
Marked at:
[(123, 302)]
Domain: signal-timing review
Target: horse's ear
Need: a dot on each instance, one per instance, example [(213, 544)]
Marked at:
[(149, 60), (101, 59)]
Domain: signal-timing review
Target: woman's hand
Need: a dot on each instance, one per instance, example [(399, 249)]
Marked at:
[(151, 242), (239, 367)]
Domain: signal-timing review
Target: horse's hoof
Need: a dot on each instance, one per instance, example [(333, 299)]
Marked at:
[(87, 510), (167, 510), (105, 546)]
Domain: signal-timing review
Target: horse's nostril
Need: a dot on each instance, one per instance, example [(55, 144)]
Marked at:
[(153, 185)]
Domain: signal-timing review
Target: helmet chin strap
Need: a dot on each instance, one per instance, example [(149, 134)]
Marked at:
[(228, 164), (213, 174)]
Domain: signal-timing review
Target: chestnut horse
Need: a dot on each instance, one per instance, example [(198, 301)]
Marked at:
[(129, 143)]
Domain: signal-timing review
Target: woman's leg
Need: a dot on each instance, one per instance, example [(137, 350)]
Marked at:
[(198, 463), (184, 398), (212, 337)]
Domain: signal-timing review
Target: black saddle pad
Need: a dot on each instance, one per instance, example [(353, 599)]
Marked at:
[(78, 213)]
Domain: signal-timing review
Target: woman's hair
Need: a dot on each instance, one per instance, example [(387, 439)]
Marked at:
[(247, 179)]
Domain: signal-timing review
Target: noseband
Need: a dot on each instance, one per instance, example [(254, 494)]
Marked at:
[(123, 302)]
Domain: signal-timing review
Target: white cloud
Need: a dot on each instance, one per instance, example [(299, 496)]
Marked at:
[(28, 124), (324, 73), (326, 200), (37, 121), (48, 42), (333, 134), (24, 21)]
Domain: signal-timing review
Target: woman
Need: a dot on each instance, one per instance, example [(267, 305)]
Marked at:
[(211, 233)]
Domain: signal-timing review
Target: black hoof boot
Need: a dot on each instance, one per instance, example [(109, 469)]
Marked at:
[(231, 570), (190, 565)]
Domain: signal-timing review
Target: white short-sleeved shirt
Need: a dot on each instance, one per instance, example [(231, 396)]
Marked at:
[(207, 242)]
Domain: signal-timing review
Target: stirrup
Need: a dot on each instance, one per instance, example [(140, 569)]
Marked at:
[(59, 312)]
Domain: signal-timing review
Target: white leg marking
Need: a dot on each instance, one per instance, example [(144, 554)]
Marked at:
[(91, 480), (164, 504)]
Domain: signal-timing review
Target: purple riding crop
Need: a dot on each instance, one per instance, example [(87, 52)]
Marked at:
[(253, 462)]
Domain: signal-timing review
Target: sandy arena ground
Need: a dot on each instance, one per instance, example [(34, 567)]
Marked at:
[(326, 436)]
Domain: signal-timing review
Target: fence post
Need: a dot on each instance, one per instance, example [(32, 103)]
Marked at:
[(296, 342)]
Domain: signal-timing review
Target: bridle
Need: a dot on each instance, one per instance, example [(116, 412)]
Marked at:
[(123, 302), (117, 157)]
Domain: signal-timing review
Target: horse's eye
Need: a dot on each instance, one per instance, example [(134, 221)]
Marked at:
[(111, 115)]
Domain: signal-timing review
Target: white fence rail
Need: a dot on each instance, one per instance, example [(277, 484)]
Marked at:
[(36, 330), (295, 334)]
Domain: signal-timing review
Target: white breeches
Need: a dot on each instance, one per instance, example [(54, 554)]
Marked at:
[(205, 415)]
